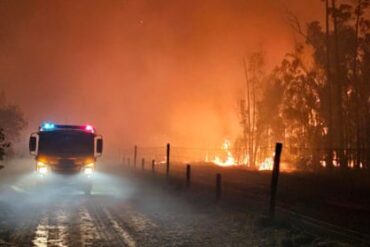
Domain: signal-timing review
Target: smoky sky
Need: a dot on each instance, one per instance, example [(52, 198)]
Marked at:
[(144, 71)]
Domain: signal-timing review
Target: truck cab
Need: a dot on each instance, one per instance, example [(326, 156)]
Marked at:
[(66, 150)]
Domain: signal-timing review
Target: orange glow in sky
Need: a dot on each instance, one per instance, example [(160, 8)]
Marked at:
[(146, 72)]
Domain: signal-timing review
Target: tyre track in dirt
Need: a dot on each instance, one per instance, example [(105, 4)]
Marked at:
[(24, 231), (78, 221), (110, 232), (141, 227), (56, 223)]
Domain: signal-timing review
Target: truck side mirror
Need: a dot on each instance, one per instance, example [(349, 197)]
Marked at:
[(99, 146), (33, 144)]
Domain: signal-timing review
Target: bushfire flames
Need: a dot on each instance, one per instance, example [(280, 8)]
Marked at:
[(229, 159), (266, 165)]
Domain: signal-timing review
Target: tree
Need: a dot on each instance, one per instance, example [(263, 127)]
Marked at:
[(270, 125), (3, 145), (12, 121), (254, 75), (321, 109)]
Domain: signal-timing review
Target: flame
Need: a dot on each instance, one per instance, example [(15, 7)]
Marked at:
[(335, 163), (266, 165), (230, 160), (323, 163)]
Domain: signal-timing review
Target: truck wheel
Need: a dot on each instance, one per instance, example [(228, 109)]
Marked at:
[(87, 189), (39, 185)]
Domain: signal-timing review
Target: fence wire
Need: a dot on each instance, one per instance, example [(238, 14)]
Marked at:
[(301, 157)]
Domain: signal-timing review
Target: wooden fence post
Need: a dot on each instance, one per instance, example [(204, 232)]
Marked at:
[(188, 175), (153, 166), (135, 156), (168, 160), (218, 186), (275, 178), (143, 164)]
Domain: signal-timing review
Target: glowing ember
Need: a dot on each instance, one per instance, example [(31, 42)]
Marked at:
[(323, 163), (230, 160), (266, 165)]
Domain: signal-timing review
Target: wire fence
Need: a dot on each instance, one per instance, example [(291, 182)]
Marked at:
[(184, 155), (293, 157), (194, 169)]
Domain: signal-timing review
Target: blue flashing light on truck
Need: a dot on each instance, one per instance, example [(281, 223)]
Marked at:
[(67, 150)]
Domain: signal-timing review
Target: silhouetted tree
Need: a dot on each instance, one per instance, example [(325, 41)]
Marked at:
[(4, 145), (254, 75), (318, 98), (12, 121)]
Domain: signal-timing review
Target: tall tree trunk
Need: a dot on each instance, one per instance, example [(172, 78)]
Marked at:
[(248, 106), (244, 127), (339, 87), (357, 87), (253, 127), (329, 144)]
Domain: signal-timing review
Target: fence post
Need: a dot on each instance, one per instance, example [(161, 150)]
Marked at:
[(168, 160), (153, 166), (218, 186), (143, 164), (128, 162), (135, 156), (274, 178), (188, 175)]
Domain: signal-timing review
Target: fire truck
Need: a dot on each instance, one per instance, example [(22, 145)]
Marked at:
[(66, 154)]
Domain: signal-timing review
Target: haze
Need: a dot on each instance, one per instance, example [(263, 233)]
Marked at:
[(145, 72)]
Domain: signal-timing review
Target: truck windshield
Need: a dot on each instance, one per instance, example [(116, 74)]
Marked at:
[(66, 143)]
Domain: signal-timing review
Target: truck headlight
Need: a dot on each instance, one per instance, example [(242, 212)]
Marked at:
[(42, 168), (89, 169)]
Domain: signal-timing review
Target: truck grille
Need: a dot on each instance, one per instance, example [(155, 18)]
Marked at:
[(66, 167)]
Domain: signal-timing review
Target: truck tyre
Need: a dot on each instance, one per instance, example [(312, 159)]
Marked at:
[(87, 189)]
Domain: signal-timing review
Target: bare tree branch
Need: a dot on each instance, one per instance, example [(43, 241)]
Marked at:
[(293, 21)]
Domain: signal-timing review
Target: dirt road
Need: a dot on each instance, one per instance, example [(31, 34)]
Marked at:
[(125, 212)]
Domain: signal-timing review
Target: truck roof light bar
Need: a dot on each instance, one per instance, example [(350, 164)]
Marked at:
[(47, 126), (89, 128)]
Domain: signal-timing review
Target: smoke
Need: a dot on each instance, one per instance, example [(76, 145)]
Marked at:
[(20, 183), (144, 72)]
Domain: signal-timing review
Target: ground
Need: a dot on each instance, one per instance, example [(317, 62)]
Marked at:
[(123, 210)]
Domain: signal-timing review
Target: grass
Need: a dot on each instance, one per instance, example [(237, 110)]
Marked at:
[(338, 197)]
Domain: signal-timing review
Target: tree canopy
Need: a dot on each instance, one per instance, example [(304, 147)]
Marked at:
[(317, 101), (12, 122)]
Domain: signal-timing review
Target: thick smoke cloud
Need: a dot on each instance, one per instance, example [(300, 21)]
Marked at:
[(142, 71)]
